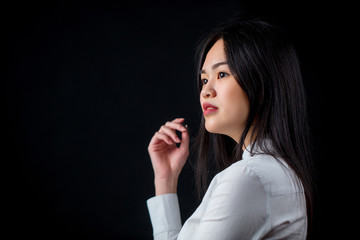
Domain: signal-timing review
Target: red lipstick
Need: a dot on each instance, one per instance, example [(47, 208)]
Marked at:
[(209, 108)]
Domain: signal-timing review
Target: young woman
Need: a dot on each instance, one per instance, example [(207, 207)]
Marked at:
[(254, 127)]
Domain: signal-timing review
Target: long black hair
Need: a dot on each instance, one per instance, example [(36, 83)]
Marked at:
[(264, 63)]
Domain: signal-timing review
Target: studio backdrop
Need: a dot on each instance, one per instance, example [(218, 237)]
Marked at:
[(86, 86)]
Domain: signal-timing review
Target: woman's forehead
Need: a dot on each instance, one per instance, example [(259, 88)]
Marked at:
[(215, 56)]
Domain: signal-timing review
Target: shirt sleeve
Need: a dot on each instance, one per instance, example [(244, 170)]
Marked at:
[(165, 217), (235, 209)]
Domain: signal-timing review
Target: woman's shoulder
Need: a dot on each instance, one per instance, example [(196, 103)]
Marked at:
[(273, 174)]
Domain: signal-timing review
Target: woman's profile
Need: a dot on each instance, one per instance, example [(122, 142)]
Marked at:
[(254, 127)]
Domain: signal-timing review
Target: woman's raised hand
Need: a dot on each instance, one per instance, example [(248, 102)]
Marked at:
[(166, 158)]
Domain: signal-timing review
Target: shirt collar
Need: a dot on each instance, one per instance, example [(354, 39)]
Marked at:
[(256, 149)]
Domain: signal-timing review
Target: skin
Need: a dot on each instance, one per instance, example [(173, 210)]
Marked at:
[(220, 89)]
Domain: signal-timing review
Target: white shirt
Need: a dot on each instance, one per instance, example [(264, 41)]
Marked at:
[(255, 198)]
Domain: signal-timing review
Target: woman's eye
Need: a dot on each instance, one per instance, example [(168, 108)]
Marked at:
[(222, 74), (204, 81)]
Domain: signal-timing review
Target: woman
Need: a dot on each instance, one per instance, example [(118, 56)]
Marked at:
[(254, 127)]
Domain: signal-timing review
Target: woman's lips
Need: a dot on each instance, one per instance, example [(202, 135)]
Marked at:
[(210, 110)]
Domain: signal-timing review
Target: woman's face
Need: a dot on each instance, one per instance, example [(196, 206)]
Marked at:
[(221, 90)]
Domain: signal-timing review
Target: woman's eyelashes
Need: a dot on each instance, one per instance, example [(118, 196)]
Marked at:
[(219, 75), (222, 74), (204, 81)]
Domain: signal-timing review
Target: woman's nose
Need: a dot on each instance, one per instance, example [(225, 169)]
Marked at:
[(208, 91)]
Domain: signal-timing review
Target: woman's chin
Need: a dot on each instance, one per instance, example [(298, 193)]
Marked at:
[(212, 129)]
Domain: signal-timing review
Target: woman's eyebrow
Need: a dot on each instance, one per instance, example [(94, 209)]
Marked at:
[(216, 65)]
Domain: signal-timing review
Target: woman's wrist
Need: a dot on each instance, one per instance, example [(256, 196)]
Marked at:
[(164, 186)]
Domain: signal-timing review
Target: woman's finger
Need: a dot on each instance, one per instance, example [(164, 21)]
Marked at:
[(170, 132), (175, 125), (178, 120), (164, 137), (185, 139)]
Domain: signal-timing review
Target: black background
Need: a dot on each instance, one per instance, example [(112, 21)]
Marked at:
[(87, 84)]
